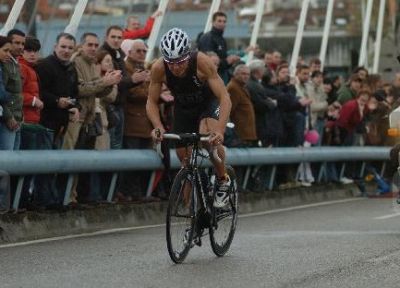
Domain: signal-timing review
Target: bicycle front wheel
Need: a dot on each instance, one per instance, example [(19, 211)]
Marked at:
[(224, 219), (180, 216)]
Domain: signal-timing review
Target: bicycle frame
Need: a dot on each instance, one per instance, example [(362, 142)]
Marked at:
[(195, 169), (202, 213)]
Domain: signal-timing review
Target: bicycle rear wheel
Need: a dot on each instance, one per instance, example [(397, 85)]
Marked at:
[(180, 216), (224, 219)]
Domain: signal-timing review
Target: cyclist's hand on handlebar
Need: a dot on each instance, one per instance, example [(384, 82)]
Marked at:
[(216, 138), (157, 134)]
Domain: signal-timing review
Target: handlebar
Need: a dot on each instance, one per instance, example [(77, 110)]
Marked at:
[(187, 136), (191, 138)]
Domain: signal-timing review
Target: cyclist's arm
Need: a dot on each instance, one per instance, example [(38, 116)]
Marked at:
[(209, 72), (156, 80)]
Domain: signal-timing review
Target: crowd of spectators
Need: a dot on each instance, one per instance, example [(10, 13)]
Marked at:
[(92, 95)]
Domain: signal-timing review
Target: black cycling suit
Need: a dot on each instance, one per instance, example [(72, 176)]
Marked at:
[(194, 99)]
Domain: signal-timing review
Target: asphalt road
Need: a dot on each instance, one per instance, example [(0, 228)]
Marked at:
[(349, 244)]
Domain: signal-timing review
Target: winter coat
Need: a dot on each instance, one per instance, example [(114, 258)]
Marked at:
[(30, 91), (126, 83), (262, 105), (90, 86), (319, 106), (345, 94), (137, 124), (13, 85), (214, 41), (273, 119), (350, 117), (141, 33), (56, 79), (242, 111)]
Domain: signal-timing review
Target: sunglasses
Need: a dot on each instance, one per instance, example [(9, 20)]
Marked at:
[(141, 51), (177, 61)]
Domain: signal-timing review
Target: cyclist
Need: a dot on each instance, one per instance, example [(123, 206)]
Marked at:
[(202, 102)]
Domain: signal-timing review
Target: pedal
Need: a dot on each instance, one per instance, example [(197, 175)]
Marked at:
[(204, 220), (197, 241), (197, 237)]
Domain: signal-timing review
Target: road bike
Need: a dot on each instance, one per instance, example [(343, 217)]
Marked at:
[(190, 209)]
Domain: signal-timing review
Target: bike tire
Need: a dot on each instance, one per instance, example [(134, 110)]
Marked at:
[(220, 247), (176, 201)]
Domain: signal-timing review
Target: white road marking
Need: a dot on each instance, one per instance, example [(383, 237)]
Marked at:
[(299, 207), (82, 235), (387, 216), (117, 230), (393, 257)]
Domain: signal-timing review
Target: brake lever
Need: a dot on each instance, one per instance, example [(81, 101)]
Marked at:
[(158, 145), (159, 151)]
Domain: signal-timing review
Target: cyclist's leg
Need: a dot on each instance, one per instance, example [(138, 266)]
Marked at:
[(208, 123), (206, 126), (184, 123), (184, 156)]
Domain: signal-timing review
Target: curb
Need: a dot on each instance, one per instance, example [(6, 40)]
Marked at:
[(38, 225)]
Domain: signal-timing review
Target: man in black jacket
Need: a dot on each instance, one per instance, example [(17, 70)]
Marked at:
[(261, 103), (214, 41), (113, 45), (58, 83)]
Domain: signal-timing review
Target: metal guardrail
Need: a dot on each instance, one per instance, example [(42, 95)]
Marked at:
[(75, 161), (67, 161)]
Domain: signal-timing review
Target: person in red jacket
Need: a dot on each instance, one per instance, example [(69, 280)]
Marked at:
[(134, 30), (351, 116), (33, 135), (30, 85)]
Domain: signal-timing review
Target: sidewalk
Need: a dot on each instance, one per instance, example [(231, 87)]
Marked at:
[(35, 225)]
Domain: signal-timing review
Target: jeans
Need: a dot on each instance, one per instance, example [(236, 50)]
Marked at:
[(99, 186), (7, 138), (320, 126), (45, 191), (37, 137), (4, 191), (332, 172), (117, 132)]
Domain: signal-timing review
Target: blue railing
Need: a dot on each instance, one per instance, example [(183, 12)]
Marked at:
[(73, 161)]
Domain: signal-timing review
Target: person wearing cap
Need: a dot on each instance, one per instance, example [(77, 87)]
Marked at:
[(32, 104), (349, 91), (34, 136)]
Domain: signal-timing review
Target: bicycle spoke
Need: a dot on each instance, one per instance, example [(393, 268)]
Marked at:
[(224, 215), (224, 226), (190, 208), (180, 220)]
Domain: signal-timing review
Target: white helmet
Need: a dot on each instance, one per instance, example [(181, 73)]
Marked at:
[(174, 44)]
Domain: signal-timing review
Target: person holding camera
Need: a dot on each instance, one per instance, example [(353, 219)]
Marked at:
[(82, 133), (58, 88)]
